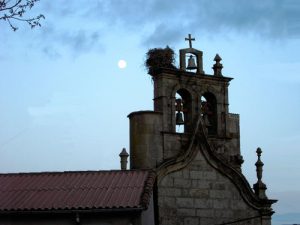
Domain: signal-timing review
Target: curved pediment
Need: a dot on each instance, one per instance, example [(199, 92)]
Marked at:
[(199, 144)]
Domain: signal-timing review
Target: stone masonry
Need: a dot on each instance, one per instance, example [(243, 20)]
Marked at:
[(199, 194)]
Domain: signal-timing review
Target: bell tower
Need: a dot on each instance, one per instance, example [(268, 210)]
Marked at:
[(192, 143), (181, 96)]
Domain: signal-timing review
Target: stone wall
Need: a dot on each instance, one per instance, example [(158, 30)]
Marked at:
[(199, 194)]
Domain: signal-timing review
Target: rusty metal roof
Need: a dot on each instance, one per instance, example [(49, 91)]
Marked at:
[(75, 190)]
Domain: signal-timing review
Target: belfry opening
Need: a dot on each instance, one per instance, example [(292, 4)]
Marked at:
[(183, 109), (209, 112)]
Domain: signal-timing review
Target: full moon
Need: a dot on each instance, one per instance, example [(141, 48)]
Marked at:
[(122, 64)]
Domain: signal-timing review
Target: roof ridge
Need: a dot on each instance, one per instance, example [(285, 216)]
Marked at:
[(71, 172)]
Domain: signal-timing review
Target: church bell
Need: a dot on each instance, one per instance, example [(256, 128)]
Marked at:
[(191, 63), (179, 118)]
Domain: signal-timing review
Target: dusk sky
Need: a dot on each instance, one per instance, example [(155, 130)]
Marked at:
[(64, 100)]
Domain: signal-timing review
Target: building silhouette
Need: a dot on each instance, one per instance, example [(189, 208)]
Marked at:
[(183, 178)]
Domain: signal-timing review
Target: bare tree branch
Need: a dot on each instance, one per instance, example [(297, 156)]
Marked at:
[(10, 7), (15, 10)]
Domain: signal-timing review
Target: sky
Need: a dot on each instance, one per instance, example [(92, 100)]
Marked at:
[(64, 100)]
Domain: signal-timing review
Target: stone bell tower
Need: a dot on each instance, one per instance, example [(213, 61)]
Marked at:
[(192, 142), (180, 97)]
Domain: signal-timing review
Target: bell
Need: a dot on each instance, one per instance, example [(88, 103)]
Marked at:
[(179, 118), (191, 63), (178, 104)]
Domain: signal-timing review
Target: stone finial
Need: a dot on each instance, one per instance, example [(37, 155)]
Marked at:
[(124, 156), (217, 67), (259, 187)]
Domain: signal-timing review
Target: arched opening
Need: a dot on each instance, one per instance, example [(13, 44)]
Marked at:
[(209, 112), (183, 110)]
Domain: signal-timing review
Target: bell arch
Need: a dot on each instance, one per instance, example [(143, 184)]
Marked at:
[(198, 56), (183, 110), (209, 112)]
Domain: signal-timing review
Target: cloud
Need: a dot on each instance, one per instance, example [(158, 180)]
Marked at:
[(80, 40), (270, 19), (51, 52), (163, 35), (79, 26), (60, 104), (54, 40)]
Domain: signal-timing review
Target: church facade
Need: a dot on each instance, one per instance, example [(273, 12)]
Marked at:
[(186, 153)]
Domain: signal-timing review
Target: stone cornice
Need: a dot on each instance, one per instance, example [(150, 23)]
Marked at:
[(168, 72)]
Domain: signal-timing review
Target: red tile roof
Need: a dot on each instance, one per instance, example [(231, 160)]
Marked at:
[(75, 190)]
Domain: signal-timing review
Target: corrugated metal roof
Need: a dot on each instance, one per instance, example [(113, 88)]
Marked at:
[(75, 190)]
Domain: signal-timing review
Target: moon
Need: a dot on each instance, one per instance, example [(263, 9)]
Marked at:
[(122, 64)]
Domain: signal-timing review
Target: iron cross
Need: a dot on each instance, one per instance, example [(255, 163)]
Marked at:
[(190, 39)]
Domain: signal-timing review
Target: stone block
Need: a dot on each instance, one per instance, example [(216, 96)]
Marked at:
[(205, 167), (207, 221), (185, 192), (186, 212), (209, 175), (167, 181), (170, 192), (205, 212), (236, 195), (186, 174), (194, 183), (183, 183), (167, 202), (167, 212), (203, 184), (195, 167), (221, 203), (169, 221), (219, 186), (191, 221), (238, 204), (242, 213), (195, 174), (219, 194), (203, 203), (199, 193), (185, 202), (223, 213), (177, 174)]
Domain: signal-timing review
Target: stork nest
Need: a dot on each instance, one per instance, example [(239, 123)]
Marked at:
[(159, 58)]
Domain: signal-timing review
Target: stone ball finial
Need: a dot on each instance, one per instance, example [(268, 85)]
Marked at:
[(258, 151)]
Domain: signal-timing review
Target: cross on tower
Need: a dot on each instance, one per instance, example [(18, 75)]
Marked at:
[(190, 39)]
